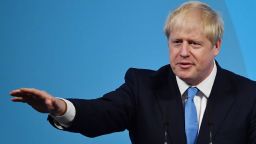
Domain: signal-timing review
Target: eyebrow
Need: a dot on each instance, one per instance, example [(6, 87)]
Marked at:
[(189, 40)]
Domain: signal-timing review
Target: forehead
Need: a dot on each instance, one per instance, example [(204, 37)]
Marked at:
[(188, 32)]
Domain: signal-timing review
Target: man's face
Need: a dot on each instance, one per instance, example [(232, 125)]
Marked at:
[(191, 53)]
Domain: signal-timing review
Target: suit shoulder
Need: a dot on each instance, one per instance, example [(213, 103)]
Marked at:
[(138, 72), (240, 80)]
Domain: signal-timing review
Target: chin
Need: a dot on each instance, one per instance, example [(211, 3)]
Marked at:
[(183, 74), (185, 77)]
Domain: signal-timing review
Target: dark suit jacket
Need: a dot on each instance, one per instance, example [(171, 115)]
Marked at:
[(149, 104)]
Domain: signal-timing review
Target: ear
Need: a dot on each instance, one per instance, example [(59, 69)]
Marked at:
[(217, 46)]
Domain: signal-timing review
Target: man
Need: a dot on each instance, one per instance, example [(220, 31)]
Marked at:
[(192, 100)]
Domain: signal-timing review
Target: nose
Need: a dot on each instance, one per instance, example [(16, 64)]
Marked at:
[(184, 51)]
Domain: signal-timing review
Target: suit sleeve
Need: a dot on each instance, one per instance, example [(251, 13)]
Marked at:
[(252, 128), (113, 112)]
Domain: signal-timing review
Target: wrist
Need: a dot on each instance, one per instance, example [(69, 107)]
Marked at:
[(60, 107)]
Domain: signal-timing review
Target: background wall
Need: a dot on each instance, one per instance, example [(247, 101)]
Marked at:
[(82, 48)]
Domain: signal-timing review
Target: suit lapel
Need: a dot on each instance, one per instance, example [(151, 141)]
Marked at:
[(218, 106), (175, 115), (170, 103)]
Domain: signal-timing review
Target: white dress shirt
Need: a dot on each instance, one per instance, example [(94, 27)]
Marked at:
[(200, 100)]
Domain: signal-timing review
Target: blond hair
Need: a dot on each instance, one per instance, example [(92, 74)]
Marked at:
[(213, 26)]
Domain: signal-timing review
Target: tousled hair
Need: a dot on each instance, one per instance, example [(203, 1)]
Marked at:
[(213, 26)]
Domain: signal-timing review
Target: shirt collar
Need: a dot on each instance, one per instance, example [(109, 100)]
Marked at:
[(205, 86)]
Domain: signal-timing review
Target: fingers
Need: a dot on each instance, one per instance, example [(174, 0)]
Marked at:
[(18, 99), (29, 95), (27, 91), (38, 99), (15, 92)]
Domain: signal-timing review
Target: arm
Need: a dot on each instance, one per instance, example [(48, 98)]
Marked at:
[(113, 112), (252, 128)]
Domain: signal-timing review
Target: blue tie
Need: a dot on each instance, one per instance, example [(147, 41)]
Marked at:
[(191, 122)]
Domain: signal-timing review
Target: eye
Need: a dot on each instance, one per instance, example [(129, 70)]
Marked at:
[(177, 42), (195, 44)]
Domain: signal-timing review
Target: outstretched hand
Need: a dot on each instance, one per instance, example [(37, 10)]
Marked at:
[(39, 100)]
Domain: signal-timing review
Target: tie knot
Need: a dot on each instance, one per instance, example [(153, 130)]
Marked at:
[(192, 91)]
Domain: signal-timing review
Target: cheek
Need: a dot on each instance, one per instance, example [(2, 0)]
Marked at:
[(173, 54), (204, 60)]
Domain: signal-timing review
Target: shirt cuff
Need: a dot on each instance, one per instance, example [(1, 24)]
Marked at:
[(66, 119)]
